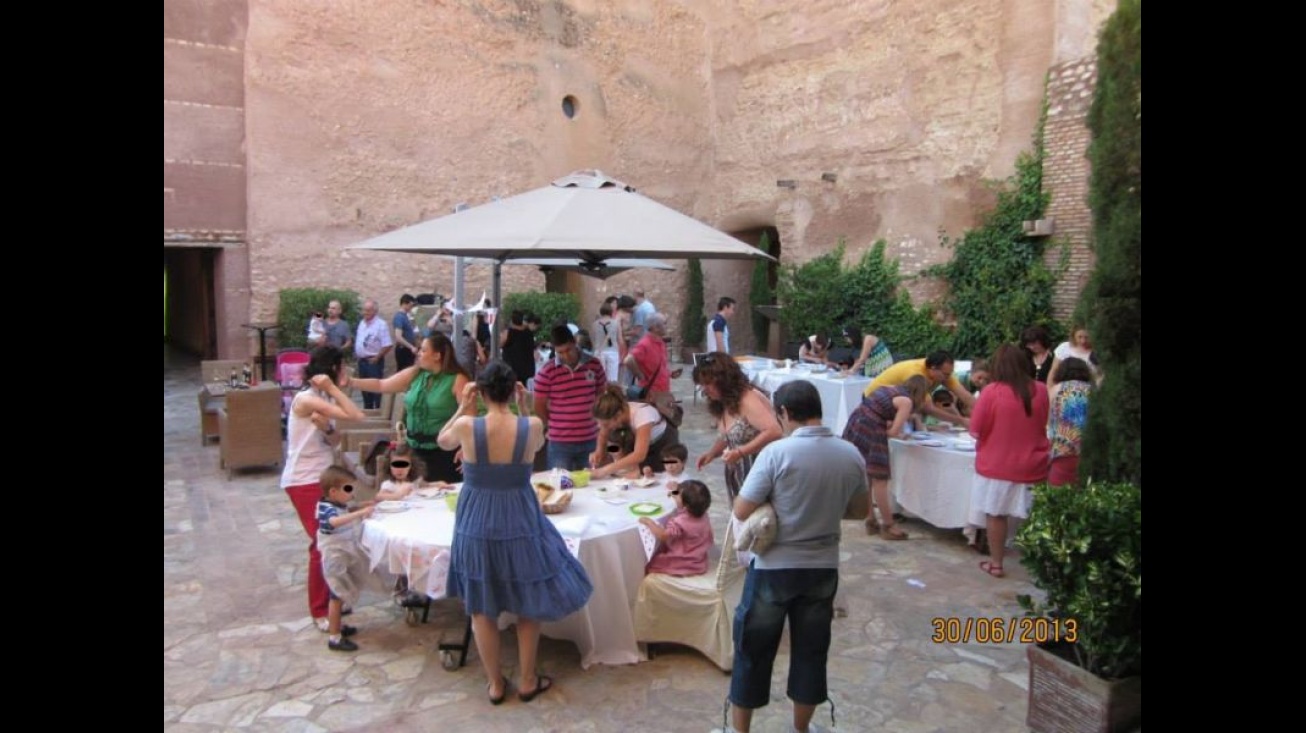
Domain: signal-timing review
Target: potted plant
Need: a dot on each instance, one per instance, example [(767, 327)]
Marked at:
[(1083, 548)]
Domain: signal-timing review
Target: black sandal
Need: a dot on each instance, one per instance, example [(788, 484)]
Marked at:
[(496, 700), (543, 684)]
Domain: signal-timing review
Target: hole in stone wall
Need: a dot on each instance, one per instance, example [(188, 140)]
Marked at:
[(569, 106)]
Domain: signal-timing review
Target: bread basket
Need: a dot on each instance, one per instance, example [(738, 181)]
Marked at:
[(552, 501)]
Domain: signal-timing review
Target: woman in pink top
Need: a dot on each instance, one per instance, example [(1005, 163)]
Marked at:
[(1010, 424), (684, 542)]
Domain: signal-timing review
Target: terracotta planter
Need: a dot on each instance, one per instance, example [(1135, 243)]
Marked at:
[(1066, 698)]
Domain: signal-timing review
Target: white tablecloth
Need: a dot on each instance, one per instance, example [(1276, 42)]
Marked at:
[(606, 538), (839, 397), (932, 483)]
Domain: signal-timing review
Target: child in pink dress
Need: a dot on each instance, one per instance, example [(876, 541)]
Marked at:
[(684, 542)]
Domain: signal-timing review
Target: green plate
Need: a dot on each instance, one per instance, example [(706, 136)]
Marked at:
[(645, 509)]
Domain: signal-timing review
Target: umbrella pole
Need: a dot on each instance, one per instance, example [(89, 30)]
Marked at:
[(496, 283), (458, 300)]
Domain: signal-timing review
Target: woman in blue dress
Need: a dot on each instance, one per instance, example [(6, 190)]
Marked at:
[(506, 556)]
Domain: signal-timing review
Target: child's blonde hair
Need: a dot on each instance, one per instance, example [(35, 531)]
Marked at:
[(333, 477)]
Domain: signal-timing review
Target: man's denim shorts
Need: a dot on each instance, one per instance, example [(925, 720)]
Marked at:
[(806, 597)]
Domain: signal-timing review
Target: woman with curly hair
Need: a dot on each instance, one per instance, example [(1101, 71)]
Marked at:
[(744, 419)]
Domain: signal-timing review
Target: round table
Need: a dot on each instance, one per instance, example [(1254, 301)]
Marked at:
[(599, 529)]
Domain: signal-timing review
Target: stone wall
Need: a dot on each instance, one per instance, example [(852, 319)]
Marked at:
[(204, 161), (1066, 178), (364, 116)]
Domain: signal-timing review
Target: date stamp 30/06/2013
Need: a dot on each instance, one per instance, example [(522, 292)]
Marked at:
[(1000, 630)]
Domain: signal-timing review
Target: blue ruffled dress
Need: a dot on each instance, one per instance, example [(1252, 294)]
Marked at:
[(507, 556)]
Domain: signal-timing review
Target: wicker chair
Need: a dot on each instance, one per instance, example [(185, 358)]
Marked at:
[(217, 370), (696, 610), (250, 425)]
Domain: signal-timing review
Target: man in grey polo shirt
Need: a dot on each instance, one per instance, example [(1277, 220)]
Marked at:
[(809, 477)]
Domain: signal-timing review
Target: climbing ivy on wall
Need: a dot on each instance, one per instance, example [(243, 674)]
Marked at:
[(997, 281)]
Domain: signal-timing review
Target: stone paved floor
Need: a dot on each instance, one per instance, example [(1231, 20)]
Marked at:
[(239, 652)]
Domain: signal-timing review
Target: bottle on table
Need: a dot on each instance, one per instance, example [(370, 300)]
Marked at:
[(233, 380), (246, 374)]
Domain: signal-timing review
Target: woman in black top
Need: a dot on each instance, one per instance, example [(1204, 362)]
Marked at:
[(1037, 343), (519, 347)]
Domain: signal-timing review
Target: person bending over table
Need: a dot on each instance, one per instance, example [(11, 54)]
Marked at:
[(874, 357), (815, 350), (937, 369), (642, 433), (880, 417)]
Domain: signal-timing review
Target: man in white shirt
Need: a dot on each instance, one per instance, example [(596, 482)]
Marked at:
[(371, 344)]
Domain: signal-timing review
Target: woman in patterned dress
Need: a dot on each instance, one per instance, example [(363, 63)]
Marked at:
[(874, 357), (744, 418), (880, 417), (1069, 394)]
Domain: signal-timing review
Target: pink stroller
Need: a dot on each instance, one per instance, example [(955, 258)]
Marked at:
[(291, 364)]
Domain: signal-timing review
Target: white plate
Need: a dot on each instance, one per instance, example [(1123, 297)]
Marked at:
[(965, 445), (921, 435), (392, 506), (644, 483), (930, 443)]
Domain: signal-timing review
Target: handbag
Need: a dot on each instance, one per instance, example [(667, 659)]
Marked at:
[(758, 531), (638, 393)]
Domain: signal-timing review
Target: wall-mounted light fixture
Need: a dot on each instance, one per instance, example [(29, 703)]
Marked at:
[(829, 177), (786, 183)]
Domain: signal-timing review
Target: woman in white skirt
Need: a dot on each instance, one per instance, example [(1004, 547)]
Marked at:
[(1009, 424), (609, 343)]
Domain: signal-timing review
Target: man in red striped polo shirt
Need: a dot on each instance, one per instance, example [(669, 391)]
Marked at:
[(565, 392)]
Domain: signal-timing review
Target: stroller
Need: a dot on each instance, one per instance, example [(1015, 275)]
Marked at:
[(291, 364)]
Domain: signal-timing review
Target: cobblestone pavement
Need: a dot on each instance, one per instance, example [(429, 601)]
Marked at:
[(240, 652)]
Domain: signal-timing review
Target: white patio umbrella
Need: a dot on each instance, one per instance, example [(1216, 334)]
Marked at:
[(587, 218)]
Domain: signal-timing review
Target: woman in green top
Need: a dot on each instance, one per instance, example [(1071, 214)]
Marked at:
[(432, 386)]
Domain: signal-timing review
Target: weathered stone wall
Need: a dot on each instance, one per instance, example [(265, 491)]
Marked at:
[(364, 116), (204, 159), (1066, 177)]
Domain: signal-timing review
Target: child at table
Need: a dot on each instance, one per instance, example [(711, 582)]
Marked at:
[(684, 542), (675, 459), (343, 561), (403, 474), (944, 400)]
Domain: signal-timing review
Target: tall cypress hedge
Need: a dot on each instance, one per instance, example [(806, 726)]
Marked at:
[(1113, 440)]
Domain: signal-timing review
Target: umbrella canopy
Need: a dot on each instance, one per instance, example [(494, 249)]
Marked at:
[(586, 217), (604, 270)]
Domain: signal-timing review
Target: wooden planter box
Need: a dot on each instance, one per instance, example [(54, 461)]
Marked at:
[(1065, 698)]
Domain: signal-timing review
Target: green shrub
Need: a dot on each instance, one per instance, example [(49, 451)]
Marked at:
[(693, 322), (297, 306), (548, 306), (760, 293), (1113, 439), (821, 295), (1083, 547)]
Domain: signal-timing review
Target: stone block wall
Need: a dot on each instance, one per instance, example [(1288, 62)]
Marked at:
[(1066, 177)]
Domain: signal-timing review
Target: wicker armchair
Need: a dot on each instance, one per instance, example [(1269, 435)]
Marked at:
[(217, 370), (250, 426)]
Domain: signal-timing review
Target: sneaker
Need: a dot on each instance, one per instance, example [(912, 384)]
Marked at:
[(811, 728), (347, 630), (344, 645), (322, 624)]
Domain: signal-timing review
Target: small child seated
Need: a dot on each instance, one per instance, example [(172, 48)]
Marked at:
[(684, 542), (403, 474), (344, 564)]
